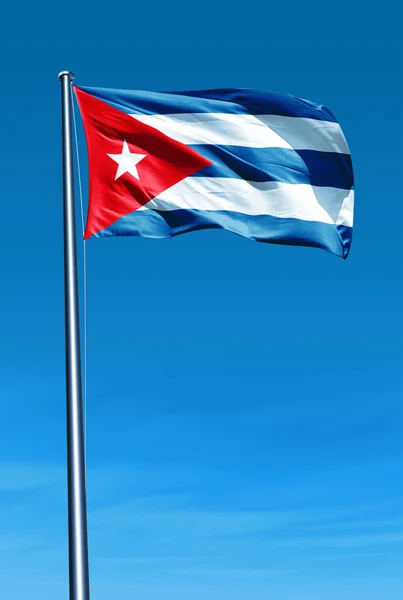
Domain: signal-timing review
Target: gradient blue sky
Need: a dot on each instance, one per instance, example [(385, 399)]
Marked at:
[(244, 400)]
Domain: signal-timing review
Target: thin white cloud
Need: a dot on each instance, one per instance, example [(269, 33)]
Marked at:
[(16, 477), (345, 541), (17, 543), (149, 519)]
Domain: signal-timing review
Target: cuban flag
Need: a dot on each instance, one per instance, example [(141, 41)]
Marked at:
[(267, 166)]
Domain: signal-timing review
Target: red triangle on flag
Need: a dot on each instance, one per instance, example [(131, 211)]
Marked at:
[(130, 163)]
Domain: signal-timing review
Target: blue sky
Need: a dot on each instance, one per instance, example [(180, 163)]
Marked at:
[(244, 410)]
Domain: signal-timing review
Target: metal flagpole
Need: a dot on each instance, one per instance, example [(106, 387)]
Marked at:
[(78, 540)]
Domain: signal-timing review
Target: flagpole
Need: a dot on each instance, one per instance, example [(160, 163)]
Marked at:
[(77, 512)]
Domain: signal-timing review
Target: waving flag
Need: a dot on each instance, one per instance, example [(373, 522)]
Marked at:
[(268, 166)]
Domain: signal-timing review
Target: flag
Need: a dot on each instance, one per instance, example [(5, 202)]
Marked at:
[(265, 165)]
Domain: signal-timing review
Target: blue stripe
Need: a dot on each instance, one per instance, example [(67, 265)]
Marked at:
[(265, 102), (235, 101), (260, 228), (328, 169)]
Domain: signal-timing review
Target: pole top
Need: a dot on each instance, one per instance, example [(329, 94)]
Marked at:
[(66, 73)]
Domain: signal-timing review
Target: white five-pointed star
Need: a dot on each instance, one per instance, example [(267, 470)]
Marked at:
[(127, 161)]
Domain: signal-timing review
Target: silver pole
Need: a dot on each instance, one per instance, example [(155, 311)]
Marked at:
[(78, 542)]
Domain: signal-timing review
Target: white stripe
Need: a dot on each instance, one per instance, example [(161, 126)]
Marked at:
[(284, 200), (346, 214), (215, 128), (261, 131), (308, 134)]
